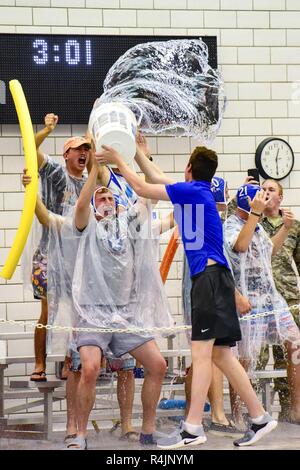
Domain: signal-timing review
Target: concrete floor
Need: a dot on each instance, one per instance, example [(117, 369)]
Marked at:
[(285, 437)]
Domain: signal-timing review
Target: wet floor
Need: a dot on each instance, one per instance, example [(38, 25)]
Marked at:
[(284, 437)]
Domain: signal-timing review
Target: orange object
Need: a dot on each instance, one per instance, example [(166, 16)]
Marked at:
[(169, 255)]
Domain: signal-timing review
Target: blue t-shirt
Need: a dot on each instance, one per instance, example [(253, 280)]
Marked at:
[(199, 223)]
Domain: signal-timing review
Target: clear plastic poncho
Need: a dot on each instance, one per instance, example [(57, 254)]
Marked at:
[(253, 276), (59, 192), (106, 276), (170, 87)]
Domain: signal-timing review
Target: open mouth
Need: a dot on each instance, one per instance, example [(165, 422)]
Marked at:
[(82, 160)]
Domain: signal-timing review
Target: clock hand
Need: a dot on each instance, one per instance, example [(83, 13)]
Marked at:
[(276, 160)]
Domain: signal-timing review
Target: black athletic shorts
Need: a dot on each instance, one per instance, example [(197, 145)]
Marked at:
[(213, 307)]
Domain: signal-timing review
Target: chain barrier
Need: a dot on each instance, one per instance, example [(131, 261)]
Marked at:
[(170, 329)]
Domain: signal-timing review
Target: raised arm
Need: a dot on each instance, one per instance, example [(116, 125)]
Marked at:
[(103, 171), (82, 211), (280, 237), (152, 172), (50, 124), (41, 211), (258, 205), (143, 189), (167, 223)]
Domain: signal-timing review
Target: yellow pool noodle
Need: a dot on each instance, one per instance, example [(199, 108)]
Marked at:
[(32, 188)]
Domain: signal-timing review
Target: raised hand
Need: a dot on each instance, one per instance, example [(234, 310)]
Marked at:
[(26, 179), (259, 202), (250, 180), (108, 156), (142, 144), (288, 218), (51, 121)]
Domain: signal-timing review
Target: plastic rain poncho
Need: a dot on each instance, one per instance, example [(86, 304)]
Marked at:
[(106, 276), (59, 192), (252, 272), (170, 87)]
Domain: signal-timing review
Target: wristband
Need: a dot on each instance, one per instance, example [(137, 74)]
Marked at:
[(255, 213)]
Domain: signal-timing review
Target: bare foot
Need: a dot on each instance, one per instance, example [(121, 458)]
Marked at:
[(66, 368)]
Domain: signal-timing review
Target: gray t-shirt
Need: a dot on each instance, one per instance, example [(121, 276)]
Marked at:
[(60, 191)]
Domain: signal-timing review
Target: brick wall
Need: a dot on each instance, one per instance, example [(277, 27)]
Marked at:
[(258, 53)]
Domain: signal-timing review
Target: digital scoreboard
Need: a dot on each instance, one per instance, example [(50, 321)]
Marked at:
[(64, 74)]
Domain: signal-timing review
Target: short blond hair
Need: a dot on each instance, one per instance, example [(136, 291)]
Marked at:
[(280, 188)]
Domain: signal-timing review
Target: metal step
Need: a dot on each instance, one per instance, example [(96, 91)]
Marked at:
[(21, 335), (27, 359)]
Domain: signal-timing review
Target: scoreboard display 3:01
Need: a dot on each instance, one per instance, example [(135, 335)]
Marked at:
[(64, 74)]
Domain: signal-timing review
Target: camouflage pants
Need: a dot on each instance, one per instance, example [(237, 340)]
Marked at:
[(280, 362)]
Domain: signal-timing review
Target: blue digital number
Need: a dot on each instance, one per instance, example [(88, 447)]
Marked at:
[(42, 57), (72, 52)]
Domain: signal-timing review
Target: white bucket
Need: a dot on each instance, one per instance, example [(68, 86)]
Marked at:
[(114, 124)]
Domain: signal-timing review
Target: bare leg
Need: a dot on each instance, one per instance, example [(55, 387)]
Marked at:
[(188, 389), (236, 403), (293, 373), (125, 394), (71, 394), (155, 367), (40, 339), (215, 394), (90, 358), (238, 378), (202, 375)]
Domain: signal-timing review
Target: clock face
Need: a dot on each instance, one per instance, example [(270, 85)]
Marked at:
[(274, 158)]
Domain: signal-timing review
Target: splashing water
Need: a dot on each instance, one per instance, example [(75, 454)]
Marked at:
[(170, 87)]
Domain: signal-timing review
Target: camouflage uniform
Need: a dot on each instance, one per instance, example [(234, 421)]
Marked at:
[(286, 283), (231, 208), (284, 274)]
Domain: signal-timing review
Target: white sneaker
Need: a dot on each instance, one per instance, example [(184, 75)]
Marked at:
[(181, 439), (257, 431)]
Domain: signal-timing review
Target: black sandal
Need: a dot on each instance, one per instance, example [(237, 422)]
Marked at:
[(70, 437), (41, 376)]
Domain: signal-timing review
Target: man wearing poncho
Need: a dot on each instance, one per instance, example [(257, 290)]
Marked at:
[(115, 285)]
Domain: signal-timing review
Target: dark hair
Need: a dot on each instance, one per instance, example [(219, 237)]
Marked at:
[(203, 163)]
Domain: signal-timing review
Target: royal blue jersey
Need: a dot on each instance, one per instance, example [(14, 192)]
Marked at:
[(199, 223)]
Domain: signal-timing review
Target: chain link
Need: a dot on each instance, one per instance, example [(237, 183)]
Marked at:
[(170, 329)]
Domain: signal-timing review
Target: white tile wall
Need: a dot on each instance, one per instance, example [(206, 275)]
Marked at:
[(50, 16), (287, 20), (259, 55), (166, 4), (253, 19), (103, 4), (270, 73), (267, 4), (236, 37), (293, 37), (158, 18), (254, 91), (86, 17), (37, 3), (119, 18), (14, 15), (270, 37), (236, 5)]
